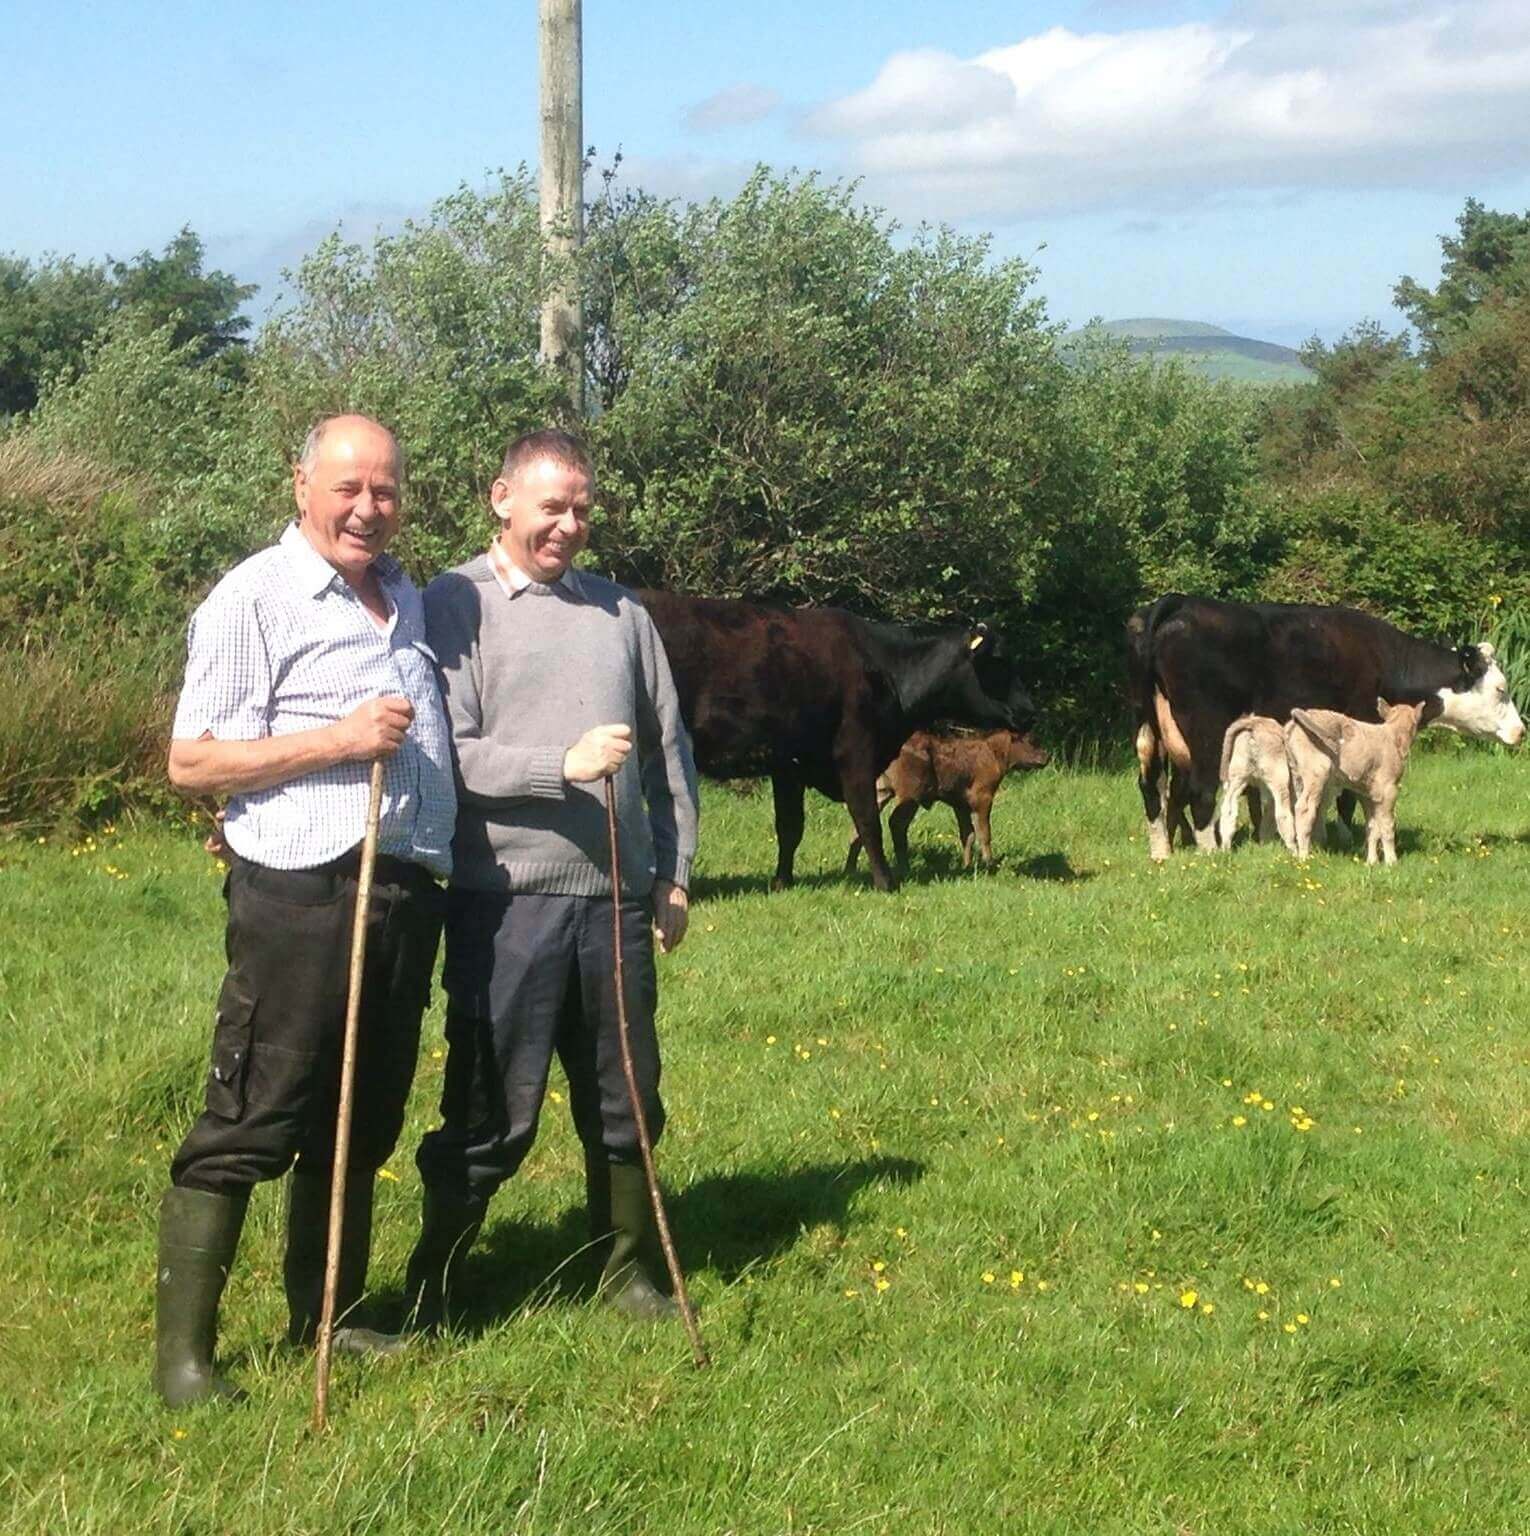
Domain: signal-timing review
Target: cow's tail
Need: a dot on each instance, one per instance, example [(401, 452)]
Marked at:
[(1142, 670), (1317, 731), (1230, 740)]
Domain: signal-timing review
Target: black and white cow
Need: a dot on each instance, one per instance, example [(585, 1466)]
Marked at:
[(1195, 664)]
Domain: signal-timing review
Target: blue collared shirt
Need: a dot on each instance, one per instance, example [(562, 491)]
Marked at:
[(282, 644)]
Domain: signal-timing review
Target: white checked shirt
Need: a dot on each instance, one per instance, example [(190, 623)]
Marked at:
[(282, 644)]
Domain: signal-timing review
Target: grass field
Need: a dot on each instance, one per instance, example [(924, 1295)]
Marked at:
[(1083, 1196)]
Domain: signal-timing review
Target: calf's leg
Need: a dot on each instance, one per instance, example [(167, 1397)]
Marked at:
[(964, 831), (1232, 792), (982, 808), (1282, 811), (1309, 808), (1381, 827)]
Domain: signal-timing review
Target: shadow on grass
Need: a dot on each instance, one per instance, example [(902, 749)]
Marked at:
[(1052, 866), (937, 865), (724, 1224), (721, 887)]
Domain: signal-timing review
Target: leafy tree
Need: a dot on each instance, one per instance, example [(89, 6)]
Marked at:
[(1488, 258), (48, 314), (201, 308), (52, 312)]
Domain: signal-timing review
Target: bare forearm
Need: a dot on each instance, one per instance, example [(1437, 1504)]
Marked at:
[(210, 767)]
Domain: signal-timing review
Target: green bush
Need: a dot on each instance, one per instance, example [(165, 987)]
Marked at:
[(810, 411)]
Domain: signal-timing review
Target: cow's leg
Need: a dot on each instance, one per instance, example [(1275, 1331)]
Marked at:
[(1203, 777), (1153, 782), (964, 832), (788, 791), (898, 824), (858, 780), (1179, 822), (885, 793)]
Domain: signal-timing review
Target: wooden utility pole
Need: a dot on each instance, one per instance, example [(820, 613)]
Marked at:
[(561, 47)]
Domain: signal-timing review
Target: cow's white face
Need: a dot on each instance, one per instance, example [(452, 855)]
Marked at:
[(1484, 710)]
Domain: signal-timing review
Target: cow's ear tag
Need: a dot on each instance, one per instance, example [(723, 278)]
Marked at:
[(976, 642)]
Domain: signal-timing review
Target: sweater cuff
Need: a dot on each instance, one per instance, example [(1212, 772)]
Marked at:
[(679, 874), (547, 774)]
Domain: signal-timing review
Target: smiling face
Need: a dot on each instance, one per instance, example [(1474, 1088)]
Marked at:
[(544, 513), (348, 497)]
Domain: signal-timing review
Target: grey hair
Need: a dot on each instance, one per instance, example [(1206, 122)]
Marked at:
[(309, 454)]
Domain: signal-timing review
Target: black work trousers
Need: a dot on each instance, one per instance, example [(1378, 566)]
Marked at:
[(274, 1085), (527, 975)]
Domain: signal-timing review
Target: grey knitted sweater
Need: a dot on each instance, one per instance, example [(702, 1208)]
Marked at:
[(524, 678)]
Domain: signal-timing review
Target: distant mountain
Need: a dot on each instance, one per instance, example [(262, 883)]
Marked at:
[(1209, 350)]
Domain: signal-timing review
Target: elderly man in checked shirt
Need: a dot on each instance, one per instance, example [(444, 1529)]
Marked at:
[(305, 663)]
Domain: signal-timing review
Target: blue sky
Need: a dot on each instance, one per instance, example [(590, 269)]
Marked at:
[(1269, 165)]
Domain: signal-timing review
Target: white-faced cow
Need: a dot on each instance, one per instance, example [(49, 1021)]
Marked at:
[(816, 696), (1195, 664)]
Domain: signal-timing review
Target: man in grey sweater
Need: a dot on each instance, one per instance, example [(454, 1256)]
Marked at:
[(554, 680)]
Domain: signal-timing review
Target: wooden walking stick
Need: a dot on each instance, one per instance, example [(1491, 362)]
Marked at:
[(671, 1258), (347, 1093)]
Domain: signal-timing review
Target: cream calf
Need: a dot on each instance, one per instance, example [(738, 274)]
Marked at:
[(1254, 752), (1329, 752)]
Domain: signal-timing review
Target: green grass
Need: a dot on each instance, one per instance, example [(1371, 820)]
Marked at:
[(1036, 1070)]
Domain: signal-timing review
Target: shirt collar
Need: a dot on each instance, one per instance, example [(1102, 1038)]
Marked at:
[(314, 574), (513, 580)]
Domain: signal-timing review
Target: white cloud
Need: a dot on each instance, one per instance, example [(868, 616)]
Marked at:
[(735, 107), (1277, 94)]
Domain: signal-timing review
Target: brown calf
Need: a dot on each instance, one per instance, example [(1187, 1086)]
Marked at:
[(964, 772)]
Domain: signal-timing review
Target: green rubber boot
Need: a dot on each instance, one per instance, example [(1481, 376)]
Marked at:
[(198, 1236), (619, 1202), (447, 1228), (303, 1265)]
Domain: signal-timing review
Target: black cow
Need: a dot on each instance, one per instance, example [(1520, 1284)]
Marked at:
[(816, 696), (1195, 664)]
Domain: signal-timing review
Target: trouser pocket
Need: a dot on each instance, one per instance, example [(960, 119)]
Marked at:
[(233, 1034)]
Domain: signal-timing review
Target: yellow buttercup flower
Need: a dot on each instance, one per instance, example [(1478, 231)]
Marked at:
[(1188, 1299)]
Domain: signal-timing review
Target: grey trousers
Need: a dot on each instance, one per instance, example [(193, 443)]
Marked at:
[(525, 976)]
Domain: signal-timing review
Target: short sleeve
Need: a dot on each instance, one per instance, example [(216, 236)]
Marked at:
[(227, 692)]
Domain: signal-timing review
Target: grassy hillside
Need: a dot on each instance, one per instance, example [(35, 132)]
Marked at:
[(1210, 350), (1081, 1197)]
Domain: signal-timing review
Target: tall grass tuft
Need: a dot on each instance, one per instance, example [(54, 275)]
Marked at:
[(32, 472), (1509, 631), (84, 730)]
